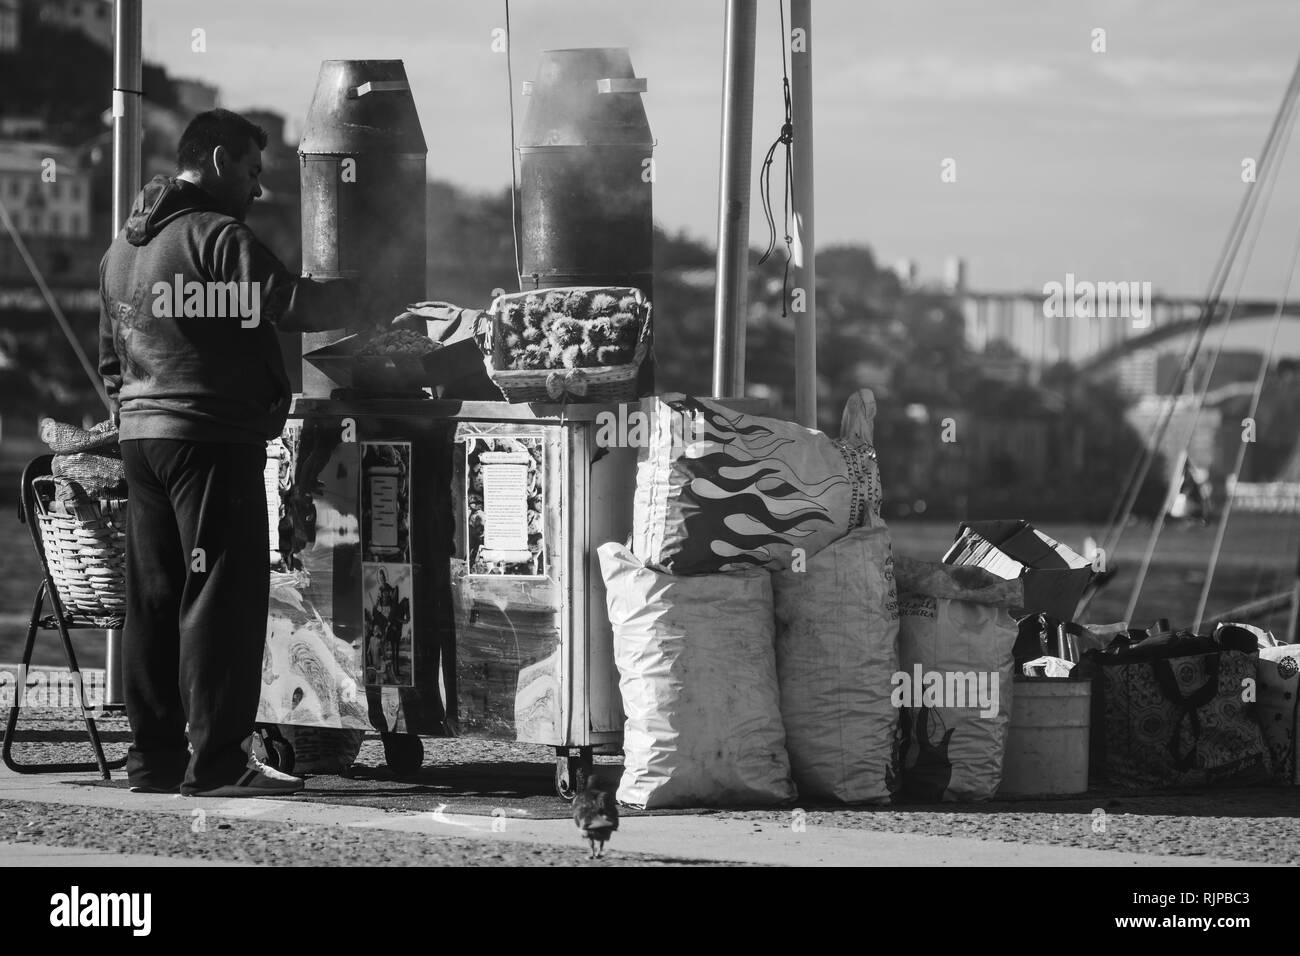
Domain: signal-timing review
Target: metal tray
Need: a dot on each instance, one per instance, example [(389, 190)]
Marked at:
[(382, 374)]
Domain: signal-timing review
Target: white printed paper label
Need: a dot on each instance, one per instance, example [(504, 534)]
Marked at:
[(505, 501)]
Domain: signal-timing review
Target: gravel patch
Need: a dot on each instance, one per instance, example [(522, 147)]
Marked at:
[(1260, 825), (270, 844), (475, 775)]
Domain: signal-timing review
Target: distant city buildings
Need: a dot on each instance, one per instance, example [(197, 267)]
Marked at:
[(907, 271), (194, 96), (55, 176), (1018, 319), (1127, 346), (44, 190), (954, 274), (94, 18), (1227, 368), (10, 26), (22, 127), (1188, 427), (1136, 373)]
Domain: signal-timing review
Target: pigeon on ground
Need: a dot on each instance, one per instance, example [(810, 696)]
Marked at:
[(596, 814)]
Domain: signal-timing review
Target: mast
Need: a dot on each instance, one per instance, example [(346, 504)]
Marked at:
[(805, 321), (731, 298), (1293, 624), (127, 93), (128, 134)]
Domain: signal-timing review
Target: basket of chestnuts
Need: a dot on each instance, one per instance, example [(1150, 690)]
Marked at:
[(572, 344)]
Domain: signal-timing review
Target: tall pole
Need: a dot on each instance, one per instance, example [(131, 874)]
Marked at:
[(128, 134), (127, 94), (731, 298), (805, 322)]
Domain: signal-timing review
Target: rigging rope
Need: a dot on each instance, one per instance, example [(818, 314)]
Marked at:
[(1119, 515), (1208, 309), (1241, 449), (91, 371), (1255, 227)]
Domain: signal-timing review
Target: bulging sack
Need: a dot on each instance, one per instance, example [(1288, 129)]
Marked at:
[(719, 490), (1182, 721), (836, 648), (953, 690), (697, 671)]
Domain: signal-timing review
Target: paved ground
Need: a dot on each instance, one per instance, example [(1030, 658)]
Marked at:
[(485, 803)]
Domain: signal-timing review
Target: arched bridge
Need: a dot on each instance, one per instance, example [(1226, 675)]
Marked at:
[(1185, 326), (1090, 343)]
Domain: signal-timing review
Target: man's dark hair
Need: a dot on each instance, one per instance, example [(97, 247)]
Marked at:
[(212, 129)]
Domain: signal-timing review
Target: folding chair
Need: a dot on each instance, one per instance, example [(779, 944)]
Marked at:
[(83, 576)]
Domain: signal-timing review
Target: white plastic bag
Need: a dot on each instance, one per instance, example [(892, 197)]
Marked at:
[(836, 647), (953, 752), (697, 671)]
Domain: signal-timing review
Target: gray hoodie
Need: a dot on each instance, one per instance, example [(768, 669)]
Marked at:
[(190, 301)]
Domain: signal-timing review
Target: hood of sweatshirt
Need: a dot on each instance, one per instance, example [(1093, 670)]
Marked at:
[(162, 201)]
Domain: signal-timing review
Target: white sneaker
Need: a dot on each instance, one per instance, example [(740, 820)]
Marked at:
[(258, 781)]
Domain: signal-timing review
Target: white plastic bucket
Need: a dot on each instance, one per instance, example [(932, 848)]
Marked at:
[(1047, 744)]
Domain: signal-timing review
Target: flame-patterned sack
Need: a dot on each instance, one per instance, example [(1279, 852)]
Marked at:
[(719, 490)]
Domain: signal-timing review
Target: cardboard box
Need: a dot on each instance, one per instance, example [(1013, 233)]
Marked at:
[(1055, 577)]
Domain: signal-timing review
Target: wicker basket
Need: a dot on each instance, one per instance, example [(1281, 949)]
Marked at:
[(85, 548), (599, 384)]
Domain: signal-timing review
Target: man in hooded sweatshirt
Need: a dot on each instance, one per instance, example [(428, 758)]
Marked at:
[(191, 302)]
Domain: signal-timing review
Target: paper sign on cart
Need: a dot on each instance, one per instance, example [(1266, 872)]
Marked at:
[(505, 505)]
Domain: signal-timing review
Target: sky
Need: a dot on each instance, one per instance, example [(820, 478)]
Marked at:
[(1117, 165)]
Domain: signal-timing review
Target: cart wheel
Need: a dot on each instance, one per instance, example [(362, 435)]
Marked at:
[(404, 753), (270, 747), (571, 773), (280, 756)]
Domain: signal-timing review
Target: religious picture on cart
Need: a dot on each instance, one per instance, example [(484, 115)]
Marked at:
[(386, 502), (389, 647)]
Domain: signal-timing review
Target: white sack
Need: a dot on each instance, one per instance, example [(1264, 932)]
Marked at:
[(697, 671)]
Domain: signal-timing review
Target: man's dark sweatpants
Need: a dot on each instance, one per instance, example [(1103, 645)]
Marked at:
[(195, 621)]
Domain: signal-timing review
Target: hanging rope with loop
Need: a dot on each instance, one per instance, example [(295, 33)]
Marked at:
[(786, 139)]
